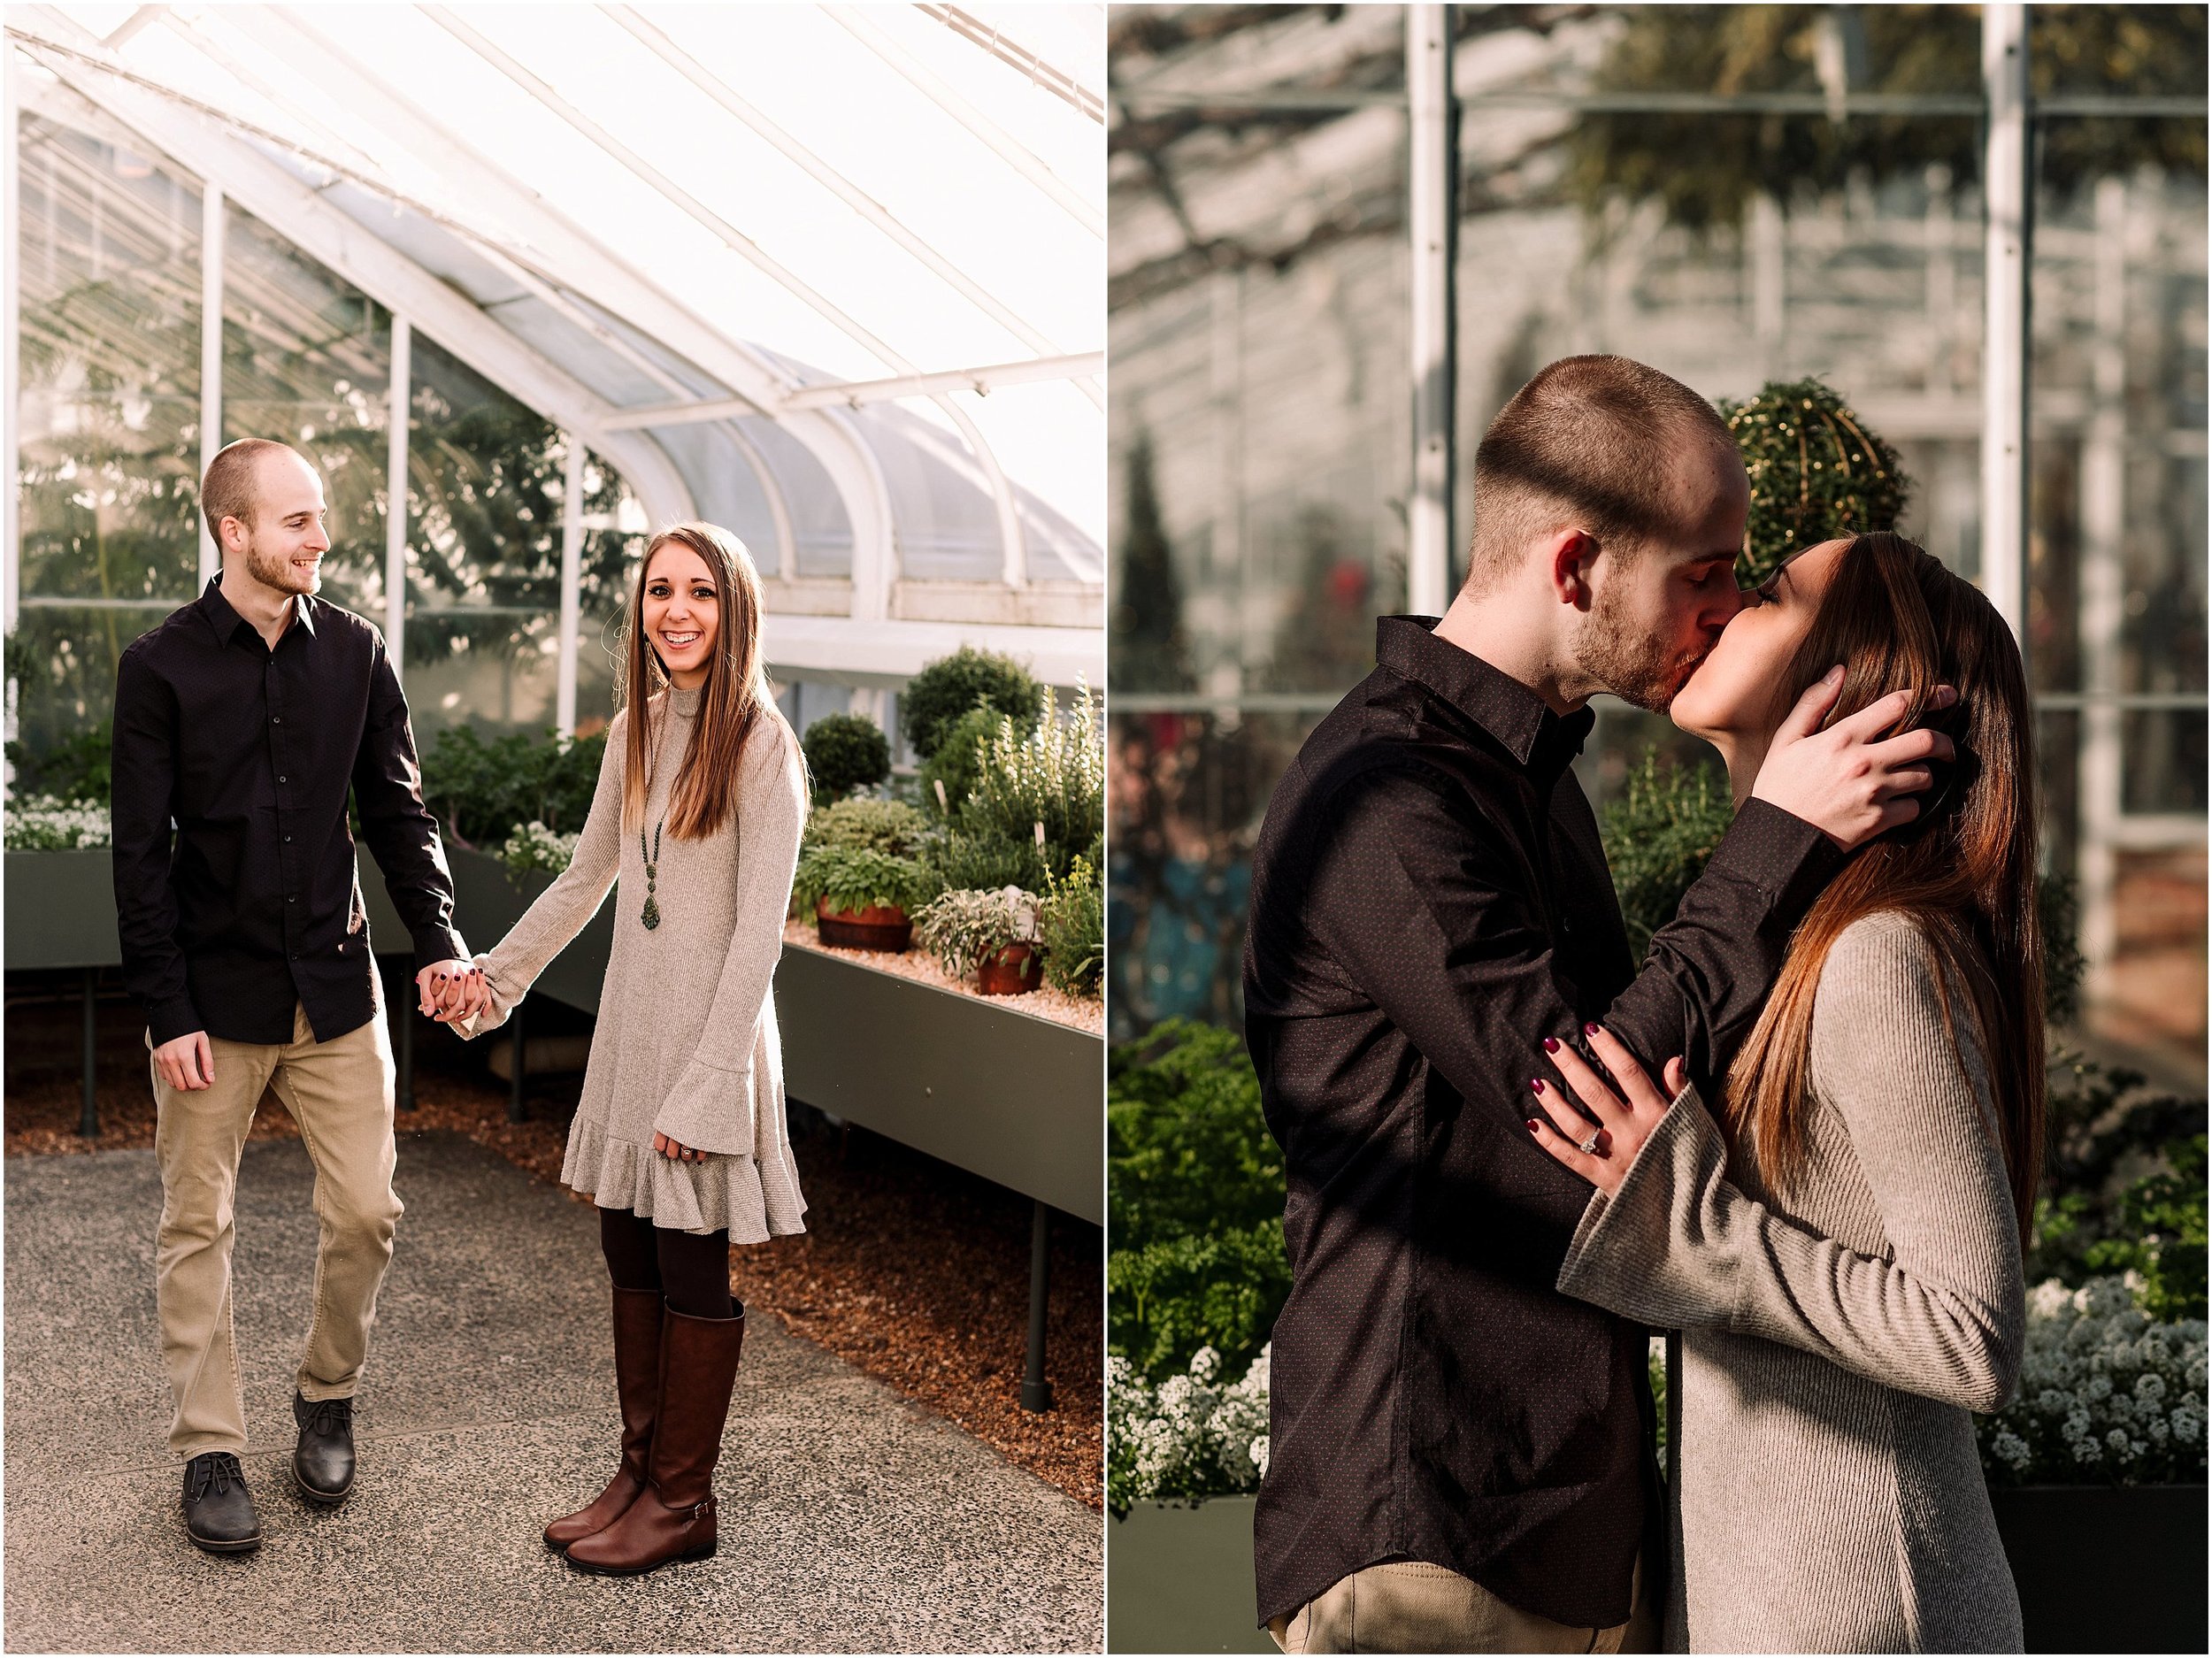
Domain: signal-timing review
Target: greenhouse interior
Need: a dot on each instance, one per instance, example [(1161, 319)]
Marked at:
[(1737, 196)]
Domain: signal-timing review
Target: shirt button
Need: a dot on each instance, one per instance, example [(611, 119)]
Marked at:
[(282, 779), (276, 719), (288, 841), (291, 898)]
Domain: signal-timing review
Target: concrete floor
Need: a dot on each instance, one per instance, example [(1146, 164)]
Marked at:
[(851, 1521)]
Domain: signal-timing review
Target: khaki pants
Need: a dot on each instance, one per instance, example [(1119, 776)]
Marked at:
[(1410, 1606), (339, 1092)]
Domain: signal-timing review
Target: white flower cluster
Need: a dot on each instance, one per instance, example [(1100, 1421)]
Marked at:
[(2107, 1396), (43, 824), (1191, 1437), (534, 847)]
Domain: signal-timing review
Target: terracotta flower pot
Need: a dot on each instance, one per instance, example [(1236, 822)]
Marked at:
[(879, 928), (1013, 971)]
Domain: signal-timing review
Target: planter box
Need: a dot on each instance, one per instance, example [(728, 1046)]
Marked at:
[(2107, 1568), (61, 909), (2099, 1570), (1012, 1097), (1179, 1580)]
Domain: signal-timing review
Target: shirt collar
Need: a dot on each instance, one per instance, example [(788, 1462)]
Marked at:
[(227, 621), (1519, 719)]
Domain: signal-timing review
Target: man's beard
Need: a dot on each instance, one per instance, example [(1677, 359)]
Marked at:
[(1629, 662), (273, 570)]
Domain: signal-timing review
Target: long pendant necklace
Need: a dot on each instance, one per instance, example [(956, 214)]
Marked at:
[(652, 914)]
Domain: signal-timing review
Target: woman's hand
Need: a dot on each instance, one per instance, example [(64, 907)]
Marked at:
[(1622, 1128), (676, 1152)]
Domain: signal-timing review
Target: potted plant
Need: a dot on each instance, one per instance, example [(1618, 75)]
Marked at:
[(845, 752), (991, 935), (1071, 925), (861, 897)]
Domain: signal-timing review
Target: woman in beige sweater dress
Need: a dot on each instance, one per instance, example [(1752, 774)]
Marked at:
[(680, 1137), (1840, 1250)]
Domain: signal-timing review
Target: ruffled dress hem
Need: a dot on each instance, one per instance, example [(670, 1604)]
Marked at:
[(726, 1190)]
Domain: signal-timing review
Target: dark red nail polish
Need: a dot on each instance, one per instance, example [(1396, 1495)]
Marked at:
[(1589, 1030), (1537, 1083), (1531, 1125), (1551, 1045)]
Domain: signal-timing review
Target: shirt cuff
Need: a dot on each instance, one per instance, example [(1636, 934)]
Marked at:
[(172, 1018), (438, 944), (1777, 852)]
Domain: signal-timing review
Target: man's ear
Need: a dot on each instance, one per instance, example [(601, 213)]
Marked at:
[(1569, 557)]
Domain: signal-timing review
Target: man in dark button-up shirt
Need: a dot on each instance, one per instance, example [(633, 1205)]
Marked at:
[(1454, 1445), (245, 720)]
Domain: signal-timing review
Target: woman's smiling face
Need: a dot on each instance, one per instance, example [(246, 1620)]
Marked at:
[(680, 612), (1738, 689)]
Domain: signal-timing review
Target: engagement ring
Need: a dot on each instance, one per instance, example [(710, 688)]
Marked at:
[(1588, 1148)]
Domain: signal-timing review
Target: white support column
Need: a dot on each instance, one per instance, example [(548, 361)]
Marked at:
[(211, 238), (1770, 282), (10, 360), (2005, 310), (572, 578), (1431, 165), (2103, 534), (398, 401)]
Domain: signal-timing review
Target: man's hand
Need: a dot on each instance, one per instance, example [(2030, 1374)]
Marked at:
[(1850, 781), (186, 1063), (452, 990)]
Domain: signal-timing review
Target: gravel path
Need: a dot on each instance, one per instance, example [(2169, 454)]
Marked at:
[(852, 1520)]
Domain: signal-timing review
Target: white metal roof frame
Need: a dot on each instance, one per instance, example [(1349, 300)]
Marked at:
[(630, 362)]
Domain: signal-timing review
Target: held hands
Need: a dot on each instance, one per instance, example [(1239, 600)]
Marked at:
[(452, 990), (1622, 1127), (676, 1152), (1849, 781)]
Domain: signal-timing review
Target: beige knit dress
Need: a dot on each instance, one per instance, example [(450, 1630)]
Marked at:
[(686, 1043), (1826, 1493)]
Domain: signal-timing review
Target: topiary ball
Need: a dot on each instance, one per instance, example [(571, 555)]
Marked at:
[(1817, 472), (950, 687), (846, 752)]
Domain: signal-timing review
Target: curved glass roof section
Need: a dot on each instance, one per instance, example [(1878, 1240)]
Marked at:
[(832, 276)]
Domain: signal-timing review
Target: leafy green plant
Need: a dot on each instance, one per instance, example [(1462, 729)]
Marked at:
[(533, 847), (845, 752), (2161, 1236), (947, 688), (883, 825), (479, 790), (1072, 924), (1194, 1202), (1049, 779), (963, 929), (1659, 834), (860, 878), (43, 824), (986, 862), (74, 768), (1817, 471), (963, 751)]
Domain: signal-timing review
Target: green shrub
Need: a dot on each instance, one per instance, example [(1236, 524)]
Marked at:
[(961, 749), (860, 878), (883, 826), (962, 929), (1072, 924), (1054, 775), (984, 863), (2160, 1235), (480, 790), (1817, 472), (1659, 834), (845, 752), (950, 687), (75, 768), (1194, 1201)]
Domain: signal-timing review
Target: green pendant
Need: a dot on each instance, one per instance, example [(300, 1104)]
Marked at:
[(651, 917)]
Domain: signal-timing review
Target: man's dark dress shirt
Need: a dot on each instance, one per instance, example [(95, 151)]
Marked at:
[(1430, 901), (257, 907)]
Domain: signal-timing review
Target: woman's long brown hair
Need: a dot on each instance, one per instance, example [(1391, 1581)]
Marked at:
[(1965, 870), (733, 702)]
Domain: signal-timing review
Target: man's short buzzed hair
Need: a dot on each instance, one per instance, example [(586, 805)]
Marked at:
[(1590, 442), (228, 491)]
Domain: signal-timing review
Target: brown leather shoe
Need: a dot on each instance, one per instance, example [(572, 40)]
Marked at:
[(673, 1518), (637, 1380)]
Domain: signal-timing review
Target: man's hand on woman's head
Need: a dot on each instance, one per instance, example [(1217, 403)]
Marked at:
[(1852, 781)]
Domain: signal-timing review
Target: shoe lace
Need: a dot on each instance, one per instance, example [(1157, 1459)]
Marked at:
[(216, 1471), (327, 1415)]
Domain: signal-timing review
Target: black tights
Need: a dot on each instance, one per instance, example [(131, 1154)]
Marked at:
[(692, 1273)]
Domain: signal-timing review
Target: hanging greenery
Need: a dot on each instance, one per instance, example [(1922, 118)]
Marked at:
[(1817, 471)]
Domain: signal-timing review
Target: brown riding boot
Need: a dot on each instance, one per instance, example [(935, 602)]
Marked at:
[(637, 1380), (673, 1516)]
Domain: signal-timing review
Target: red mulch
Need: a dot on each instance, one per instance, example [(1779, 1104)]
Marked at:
[(913, 1270)]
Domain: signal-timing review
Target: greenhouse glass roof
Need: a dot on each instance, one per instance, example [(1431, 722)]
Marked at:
[(830, 276)]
